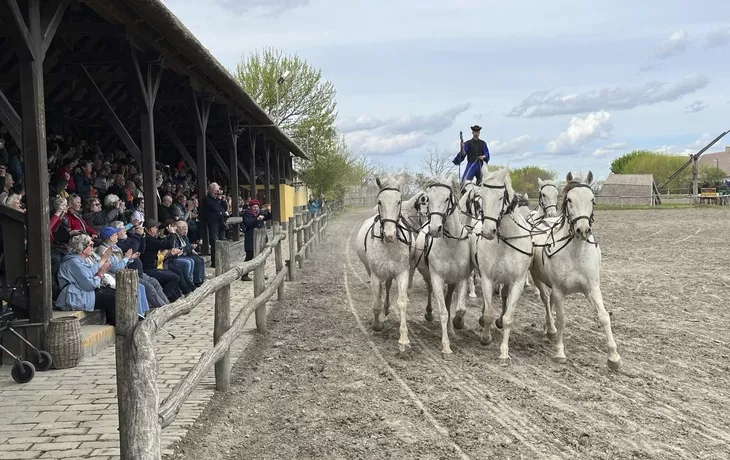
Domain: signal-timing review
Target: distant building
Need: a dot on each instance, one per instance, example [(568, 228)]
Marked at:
[(719, 160), (629, 190)]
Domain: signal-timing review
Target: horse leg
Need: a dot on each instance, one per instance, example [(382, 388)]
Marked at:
[(386, 307), (437, 284), (557, 299), (510, 294), (402, 303), (411, 274), (461, 288), (472, 287), (377, 289), (429, 292), (487, 314), (449, 297), (503, 292), (595, 297), (549, 328)]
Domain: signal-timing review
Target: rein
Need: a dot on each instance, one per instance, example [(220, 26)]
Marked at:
[(507, 209), (401, 229)]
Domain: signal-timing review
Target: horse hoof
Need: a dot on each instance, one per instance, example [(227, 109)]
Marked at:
[(505, 362), (486, 341), (458, 322), (404, 350), (560, 359), (429, 316), (447, 356), (614, 365), (378, 327), (481, 321), (386, 310), (498, 323), (551, 335), (472, 295)]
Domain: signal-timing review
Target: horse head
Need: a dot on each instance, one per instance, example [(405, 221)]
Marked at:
[(578, 203), (389, 206), (548, 197), (443, 198), (497, 196)]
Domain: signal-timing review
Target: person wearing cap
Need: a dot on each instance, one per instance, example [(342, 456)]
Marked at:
[(476, 152), (153, 253), (119, 261), (130, 237), (252, 218)]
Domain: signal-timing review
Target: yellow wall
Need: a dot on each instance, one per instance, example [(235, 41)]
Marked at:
[(291, 197)]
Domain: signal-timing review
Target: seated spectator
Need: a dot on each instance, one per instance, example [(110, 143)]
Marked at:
[(138, 214), (80, 280), (76, 224), (83, 180), (172, 261), (153, 254), (132, 242), (188, 252), (164, 211), (119, 261)]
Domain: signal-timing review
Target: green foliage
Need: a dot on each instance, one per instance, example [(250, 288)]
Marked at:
[(524, 180), (619, 165), (305, 100)]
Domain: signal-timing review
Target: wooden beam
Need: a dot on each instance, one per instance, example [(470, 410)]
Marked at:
[(218, 159), (252, 172), (10, 119), (18, 31), (111, 115), (165, 125), (233, 177), (267, 169), (200, 122), (277, 191), (52, 27)]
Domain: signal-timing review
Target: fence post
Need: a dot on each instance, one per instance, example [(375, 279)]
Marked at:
[(300, 237), (137, 393), (307, 235), (315, 228), (259, 283), (292, 252), (279, 259), (222, 318)]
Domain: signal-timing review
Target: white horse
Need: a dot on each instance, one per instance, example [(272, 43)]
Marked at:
[(442, 255), (383, 247), (567, 260), (470, 206), (547, 201), (503, 253)]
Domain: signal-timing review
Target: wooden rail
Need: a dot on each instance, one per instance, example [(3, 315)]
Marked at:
[(141, 414)]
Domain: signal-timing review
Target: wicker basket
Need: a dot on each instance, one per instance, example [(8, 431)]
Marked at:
[(63, 341)]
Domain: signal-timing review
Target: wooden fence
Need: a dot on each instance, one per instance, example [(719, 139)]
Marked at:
[(141, 415)]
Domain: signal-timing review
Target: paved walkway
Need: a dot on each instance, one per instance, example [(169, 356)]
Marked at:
[(72, 413)]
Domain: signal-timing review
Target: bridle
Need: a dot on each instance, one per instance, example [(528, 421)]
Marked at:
[(403, 232), (573, 221), (453, 204), (540, 202), (508, 208), (571, 226)]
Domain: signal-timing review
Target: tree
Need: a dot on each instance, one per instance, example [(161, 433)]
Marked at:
[(435, 162), (305, 100), (711, 175), (660, 165), (524, 180)]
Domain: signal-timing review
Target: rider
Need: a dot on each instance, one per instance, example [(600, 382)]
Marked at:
[(475, 151)]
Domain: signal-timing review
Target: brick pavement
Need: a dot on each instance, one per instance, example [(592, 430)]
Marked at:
[(72, 413)]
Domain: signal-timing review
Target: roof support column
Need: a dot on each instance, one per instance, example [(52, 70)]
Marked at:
[(233, 150), (31, 42), (149, 83), (277, 188), (267, 169), (201, 112), (252, 172)]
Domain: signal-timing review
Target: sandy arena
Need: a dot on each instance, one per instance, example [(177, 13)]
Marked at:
[(322, 384)]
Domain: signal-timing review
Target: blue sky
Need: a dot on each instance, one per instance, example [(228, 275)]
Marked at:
[(565, 84)]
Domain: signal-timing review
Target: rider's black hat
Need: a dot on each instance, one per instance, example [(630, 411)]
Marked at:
[(476, 128)]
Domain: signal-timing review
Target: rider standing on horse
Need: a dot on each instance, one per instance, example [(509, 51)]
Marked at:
[(475, 151)]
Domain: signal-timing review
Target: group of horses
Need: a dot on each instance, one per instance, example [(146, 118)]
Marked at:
[(453, 235)]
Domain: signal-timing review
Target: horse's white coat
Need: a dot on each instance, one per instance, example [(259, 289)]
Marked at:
[(575, 268)]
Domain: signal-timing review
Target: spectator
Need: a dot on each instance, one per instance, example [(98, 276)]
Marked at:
[(76, 223), (188, 251), (214, 216), (80, 280), (252, 219), (154, 251)]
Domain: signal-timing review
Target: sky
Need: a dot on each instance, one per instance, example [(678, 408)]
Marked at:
[(564, 84)]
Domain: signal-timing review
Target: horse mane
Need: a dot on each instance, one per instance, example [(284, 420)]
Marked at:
[(444, 180), (387, 182), (511, 195)]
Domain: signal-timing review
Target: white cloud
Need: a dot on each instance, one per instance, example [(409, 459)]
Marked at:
[(688, 149), (696, 106), (677, 43), (430, 124), (265, 7), (515, 146), (396, 135), (718, 38), (376, 145), (610, 149), (545, 103), (580, 131)]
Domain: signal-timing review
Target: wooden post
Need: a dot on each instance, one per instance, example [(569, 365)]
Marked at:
[(308, 235), (299, 219), (318, 226), (222, 319), (279, 259), (137, 393), (259, 283), (292, 251)]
